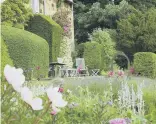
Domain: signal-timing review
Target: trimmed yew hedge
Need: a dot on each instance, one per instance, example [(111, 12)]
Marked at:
[(5, 58), (145, 64), (48, 29), (27, 50), (92, 55)]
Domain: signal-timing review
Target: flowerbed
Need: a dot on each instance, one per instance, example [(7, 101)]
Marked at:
[(79, 105)]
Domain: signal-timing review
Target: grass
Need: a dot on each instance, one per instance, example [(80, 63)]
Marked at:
[(97, 84)]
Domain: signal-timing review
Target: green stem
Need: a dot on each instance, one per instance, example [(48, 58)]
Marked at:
[(54, 119), (41, 115)]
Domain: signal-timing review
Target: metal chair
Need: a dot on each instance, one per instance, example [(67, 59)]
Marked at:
[(82, 70)]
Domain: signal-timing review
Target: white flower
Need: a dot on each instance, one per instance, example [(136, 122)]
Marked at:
[(27, 96), (36, 104), (56, 98), (14, 77)]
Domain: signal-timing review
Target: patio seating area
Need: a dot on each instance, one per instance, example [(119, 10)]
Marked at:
[(59, 69)]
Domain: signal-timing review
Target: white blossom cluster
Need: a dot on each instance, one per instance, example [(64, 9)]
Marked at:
[(128, 98)]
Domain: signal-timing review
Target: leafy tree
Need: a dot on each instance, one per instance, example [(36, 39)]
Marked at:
[(108, 47), (103, 38), (96, 16), (137, 33), (15, 13), (142, 4)]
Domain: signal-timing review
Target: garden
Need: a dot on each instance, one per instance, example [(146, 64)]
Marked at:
[(115, 37)]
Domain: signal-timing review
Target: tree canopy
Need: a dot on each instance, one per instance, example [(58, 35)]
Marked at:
[(15, 13), (137, 33), (131, 24)]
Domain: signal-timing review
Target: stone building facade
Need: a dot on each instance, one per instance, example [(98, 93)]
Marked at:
[(49, 8)]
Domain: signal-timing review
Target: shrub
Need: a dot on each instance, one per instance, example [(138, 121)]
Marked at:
[(92, 55), (108, 47), (46, 28), (145, 64), (27, 50), (5, 57)]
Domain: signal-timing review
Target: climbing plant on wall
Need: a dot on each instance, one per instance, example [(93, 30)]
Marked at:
[(63, 19)]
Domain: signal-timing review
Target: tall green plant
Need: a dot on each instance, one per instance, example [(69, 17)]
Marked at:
[(108, 47)]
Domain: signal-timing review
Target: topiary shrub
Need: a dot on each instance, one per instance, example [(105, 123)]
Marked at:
[(145, 64), (5, 58), (92, 55), (27, 50), (46, 28)]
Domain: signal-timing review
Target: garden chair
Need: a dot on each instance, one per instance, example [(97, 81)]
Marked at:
[(82, 70)]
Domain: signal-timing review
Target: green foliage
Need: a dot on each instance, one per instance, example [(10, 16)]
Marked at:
[(108, 47), (137, 33), (91, 109), (5, 57), (150, 101), (46, 28), (15, 12), (142, 4), (96, 16), (86, 105), (27, 50), (15, 110), (145, 64), (92, 55)]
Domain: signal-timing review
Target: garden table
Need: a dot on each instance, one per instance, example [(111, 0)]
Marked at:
[(95, 72), (53, 66)]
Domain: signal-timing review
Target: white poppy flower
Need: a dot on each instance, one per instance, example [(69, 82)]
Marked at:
[(27, 96), (36, 104), (56, 98), (14, 77)]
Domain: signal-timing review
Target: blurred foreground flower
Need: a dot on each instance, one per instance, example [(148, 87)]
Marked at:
[(56, 98), (27, 96), (60, 90), (53, 112), (118, 121), (14, 77)]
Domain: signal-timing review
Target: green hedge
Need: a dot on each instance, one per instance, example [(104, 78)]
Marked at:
[(80, 50), (46, 28), (27, 50), (5, 58), (92, 55), (145, 64)]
